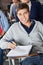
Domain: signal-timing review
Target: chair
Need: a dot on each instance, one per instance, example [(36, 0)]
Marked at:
[(5, 51)]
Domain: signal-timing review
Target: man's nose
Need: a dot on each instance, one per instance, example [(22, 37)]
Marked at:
[(23, 16)]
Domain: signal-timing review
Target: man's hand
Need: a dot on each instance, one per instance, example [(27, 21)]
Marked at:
[(11, 45)]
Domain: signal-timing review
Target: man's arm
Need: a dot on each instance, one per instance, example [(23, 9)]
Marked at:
[(40, 28), (4, 42)]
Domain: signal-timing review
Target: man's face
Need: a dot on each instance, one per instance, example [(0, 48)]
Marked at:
[(23, 15), (25, 1)]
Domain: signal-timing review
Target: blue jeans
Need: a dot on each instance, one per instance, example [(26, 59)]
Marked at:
[(1, 56), (33, 60)]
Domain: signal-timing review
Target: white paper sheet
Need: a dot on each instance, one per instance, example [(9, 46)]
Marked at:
[(20, 51)]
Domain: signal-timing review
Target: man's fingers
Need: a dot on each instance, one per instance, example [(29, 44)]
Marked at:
[(13, 43)]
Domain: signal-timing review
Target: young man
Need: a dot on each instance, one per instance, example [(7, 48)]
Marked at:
[(25, 32), (35, 9)]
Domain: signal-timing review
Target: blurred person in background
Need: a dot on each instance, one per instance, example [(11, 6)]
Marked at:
[(35, 8), (13, 11), (4, 25)]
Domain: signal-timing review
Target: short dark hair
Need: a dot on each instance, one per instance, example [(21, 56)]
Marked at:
[(22, 6)]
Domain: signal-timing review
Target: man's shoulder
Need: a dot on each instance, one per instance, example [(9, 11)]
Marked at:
[(15, 24), (38, 23)]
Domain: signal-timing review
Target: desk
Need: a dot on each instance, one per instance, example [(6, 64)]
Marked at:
[(20, 52), (23, 56), (20, 57)]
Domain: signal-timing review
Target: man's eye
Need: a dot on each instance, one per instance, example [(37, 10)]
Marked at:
[(19, 14), (25, 12)]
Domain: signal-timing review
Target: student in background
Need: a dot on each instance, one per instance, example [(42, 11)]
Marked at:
[(25, 32), (13, 10), (35, 9), (4, 25)]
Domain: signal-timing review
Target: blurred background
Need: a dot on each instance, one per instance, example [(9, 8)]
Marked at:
[(6, 3)]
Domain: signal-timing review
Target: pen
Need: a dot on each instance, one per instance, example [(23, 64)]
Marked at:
[(10, 41)]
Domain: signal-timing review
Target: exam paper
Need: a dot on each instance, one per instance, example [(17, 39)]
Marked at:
[(20, 51)]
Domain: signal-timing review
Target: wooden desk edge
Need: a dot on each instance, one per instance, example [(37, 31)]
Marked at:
[(23, 56)]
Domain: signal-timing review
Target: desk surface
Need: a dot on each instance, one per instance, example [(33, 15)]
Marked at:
[(23, 56)]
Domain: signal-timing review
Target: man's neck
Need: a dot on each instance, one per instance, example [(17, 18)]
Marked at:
[(28, 24)]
